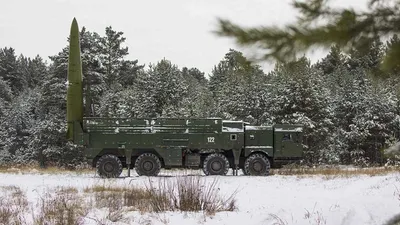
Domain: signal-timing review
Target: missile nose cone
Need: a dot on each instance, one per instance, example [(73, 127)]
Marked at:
[(74, 26)]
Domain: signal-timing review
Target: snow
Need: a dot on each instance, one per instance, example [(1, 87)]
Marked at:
[(261, 146), (232, 129), (257, 127), (295, 200), (297, 129)]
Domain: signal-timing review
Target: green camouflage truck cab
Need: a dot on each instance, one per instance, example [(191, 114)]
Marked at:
[(150, 144)]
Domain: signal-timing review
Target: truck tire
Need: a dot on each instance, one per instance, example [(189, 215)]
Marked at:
[(257, 165), (109, 166), (147, 164), (215, 164)]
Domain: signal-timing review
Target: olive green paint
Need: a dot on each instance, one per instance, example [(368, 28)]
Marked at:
[(74, 78)]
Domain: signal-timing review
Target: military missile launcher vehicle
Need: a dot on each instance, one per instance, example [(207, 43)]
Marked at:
[(150, 144)]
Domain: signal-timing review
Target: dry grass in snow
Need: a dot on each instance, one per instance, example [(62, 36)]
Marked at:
[(66, 205), (307, 196)]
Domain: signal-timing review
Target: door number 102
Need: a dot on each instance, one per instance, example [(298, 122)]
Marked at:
[(211, 139)]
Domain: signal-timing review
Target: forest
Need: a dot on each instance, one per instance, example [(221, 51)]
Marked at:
[(349, 115)]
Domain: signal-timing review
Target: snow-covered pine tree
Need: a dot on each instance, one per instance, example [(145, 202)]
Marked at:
[(129, 72), (368, 59), (332, 61), (198, 100), (112, 57), (5, 99), (18, 123), (238, 88), (300, 97), (158, 91), (120, 74), (163, 88), (363, 109), (9, 70), (19, 97), (37, 71), (364, 116), (94, 83)]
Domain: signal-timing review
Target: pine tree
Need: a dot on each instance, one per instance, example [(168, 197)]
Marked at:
[(237, 87), (392, 43), (5, 99), (117, 69), (298, 96), (93, 71), (129, 72), (165, 90), (17, 124), (159, 91), (9, 70), (368, 57), (5, 91), (199, 98), (332, 61)]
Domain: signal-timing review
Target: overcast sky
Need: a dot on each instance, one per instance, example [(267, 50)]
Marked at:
[(177, 30)]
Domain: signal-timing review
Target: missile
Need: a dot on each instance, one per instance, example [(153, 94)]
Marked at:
[(74, 81)]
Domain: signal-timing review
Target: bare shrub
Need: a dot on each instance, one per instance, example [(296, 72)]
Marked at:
[(116, 198), (159, 198), (115, 215), (277, 220), (64, 207), (12, 205), (6, 213), (317, 216), (189, 193), (138, 198), (186, 193)]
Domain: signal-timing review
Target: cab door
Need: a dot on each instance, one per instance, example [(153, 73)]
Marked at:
[(291, 145), (287, 144)]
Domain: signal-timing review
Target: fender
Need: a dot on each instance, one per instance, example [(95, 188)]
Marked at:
[(268, 150)]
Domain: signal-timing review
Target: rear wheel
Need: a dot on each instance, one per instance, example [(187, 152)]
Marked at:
[(257, 165), (215, 164), (147, 164), (109, 166)]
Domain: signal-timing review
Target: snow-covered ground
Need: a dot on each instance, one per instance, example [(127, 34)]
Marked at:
[(261, 200)]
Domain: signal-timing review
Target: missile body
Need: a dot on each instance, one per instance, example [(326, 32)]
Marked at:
[(74, 89)]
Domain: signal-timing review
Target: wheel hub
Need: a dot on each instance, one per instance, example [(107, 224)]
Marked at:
[(108, 167), (216, 166), (257, 166), (147, 166)]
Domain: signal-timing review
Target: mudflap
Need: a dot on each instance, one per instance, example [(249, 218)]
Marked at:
[(236, 156), (128, 156)]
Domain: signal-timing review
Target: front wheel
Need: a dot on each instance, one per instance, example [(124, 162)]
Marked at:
[(216, 164), (257, 165), (109, 166)]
